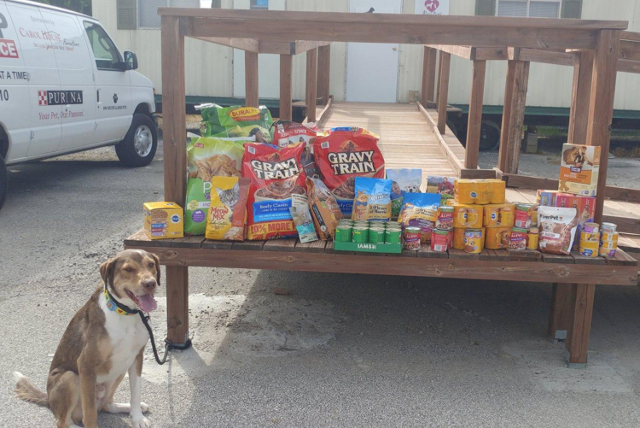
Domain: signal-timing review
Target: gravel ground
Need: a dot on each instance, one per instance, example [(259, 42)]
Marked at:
[(337, 351)]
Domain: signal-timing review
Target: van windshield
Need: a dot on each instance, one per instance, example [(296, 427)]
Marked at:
[(104, 50)]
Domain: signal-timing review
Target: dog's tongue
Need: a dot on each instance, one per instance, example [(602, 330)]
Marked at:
[(147, 303)]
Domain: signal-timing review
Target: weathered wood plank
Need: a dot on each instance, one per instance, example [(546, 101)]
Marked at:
[(621, 259), (286, 87), (248, 245), (251, 79), (311, 247), (560, 313), (513, 116), (288, 244), (580, 95), (443, 90), (324, 73), (187, 242), (474, 126), (580, 325), (428, 75), (217, 245), (312, 84)]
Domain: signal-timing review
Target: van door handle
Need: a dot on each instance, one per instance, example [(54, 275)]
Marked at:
[(98, 95)]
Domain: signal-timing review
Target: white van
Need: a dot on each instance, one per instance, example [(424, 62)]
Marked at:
[(65, 87)]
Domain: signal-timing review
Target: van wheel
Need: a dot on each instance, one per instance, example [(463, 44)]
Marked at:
[(3, 181), (139, 145)]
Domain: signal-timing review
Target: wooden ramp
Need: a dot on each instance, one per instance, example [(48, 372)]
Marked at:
[(406, 138)]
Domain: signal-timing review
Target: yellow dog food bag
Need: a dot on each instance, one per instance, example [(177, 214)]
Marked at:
[(227, 212)]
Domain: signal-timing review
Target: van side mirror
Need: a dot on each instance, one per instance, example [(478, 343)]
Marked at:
[(130, 61)]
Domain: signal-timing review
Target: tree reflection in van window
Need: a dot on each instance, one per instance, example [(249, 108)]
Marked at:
[(104, 50)]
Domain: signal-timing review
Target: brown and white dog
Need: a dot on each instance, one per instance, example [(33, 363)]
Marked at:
[(104, 340)]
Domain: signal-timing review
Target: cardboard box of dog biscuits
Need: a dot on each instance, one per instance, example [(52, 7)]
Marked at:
[(579, 169), (163, 220)]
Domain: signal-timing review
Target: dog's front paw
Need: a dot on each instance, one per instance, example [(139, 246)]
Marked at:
[(140, 422), (145, 407)]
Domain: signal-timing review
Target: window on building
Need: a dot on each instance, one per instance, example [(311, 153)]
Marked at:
[(260, 4), (530, 8), (104, 50)]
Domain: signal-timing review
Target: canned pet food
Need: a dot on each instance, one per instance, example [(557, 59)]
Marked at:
[(610, 237), (518, 239), (524, 216), (588, 236), (392, 236), (588, 248), (604, 252), (458, 238), (440, 240), (499, 215), (532, 239), (609, 245), (360, 235), (343, 233), (609, 227), (445, 217), (534, 216), (473, 241), (497, 238), (412, 238), (591, 227), (376, 235), (467, 216)]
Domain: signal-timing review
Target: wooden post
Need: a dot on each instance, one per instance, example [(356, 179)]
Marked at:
[(251, 79), (324, 73), (515, 100), (175, 166), (560, 311), (312, 84), (443, 90), (428, 76), (603, 85), (580, 97), (577, 343), (286, 87), (474, 127)]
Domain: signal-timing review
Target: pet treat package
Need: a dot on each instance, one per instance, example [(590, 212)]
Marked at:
[(324, 208), (208, 158), (228, 210), (444, 186), (579, 169), (373, 199), (285, 133), (558, 228), (275, 176), (404, 181), (302, 219), (236, 121), (343, 154), (420, 210)]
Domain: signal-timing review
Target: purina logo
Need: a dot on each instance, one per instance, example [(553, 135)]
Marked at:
[(56, 98)]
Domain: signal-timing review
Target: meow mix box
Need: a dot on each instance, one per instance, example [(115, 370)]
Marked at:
[(163, 220), (579, 169)]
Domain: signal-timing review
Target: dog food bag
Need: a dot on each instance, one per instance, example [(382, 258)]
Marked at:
[(284, 133), (558, 228), (373, 199), (404, 181), (228, 210), (579, 169), (302, 218), (236, 122), (208, 158), (324, 208), (420, 210), (275, 176), (343, 154), (163, 220)]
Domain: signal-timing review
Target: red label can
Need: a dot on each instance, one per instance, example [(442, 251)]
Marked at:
[(440, 240)]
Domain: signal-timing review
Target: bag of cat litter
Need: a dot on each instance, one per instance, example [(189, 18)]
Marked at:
[(228, 210), (343, 154), (236, 121), (302, 218), (373, 199), (275, 176), (405, 180), (420, 210), (285, 132), (207, 158)]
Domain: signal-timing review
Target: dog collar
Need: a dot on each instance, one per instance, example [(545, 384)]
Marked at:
[(117, 307)]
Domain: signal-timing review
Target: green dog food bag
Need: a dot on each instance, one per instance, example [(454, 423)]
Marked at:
[(207, 158), (236, 122)]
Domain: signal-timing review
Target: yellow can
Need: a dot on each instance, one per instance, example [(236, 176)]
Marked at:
[(588, 236), (610, 236), (467, 216), (498, 190), (532, 239), (609, 245), (473, 241), (588, 248), (458, 238), (499, 215), (497, 238), (472, 192)]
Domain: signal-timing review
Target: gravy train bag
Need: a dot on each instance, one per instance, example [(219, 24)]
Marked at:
[(236, 121), (344, 154), (208, 158), (228, 210), (557, 229), (276, 176), (286, 132), (373, 199), (324, 208)]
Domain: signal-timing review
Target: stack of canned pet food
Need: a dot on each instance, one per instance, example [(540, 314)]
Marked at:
[(589, 240), (368, 232), (442, 235), (608, 240), (524, 233)]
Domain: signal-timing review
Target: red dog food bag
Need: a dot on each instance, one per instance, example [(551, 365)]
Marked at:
[(285, 133), (276, 178), (344, 154)]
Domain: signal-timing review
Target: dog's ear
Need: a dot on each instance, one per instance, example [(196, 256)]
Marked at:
[(107, 270), (157, 260)]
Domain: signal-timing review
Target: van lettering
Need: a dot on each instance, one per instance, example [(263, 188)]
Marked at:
[(8, 49)]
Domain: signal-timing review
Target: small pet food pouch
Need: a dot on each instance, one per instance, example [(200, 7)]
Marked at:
[(276, 175), (228, 210), (236, 121), (208, 158), (343, 154), (420, 210), (324, 208), (404, 181), (373, 199), (444, 186), (285, 133), (302, 219), (557, 229)]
